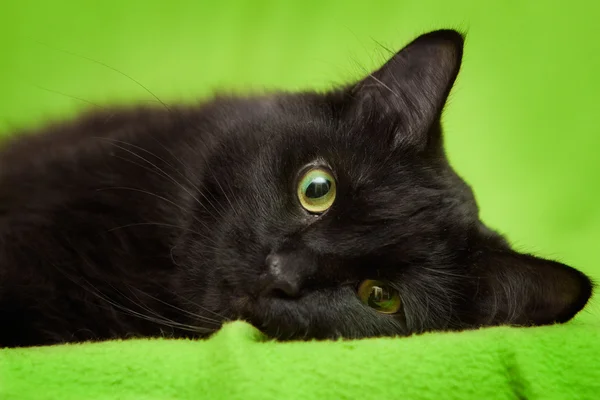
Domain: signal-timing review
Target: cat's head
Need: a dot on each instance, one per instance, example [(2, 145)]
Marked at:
[(339, 215)]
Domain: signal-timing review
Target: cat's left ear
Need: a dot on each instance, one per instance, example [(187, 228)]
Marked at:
[(410, 90)]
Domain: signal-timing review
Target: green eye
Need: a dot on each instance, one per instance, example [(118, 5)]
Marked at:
[(316, 190), (379, 296)]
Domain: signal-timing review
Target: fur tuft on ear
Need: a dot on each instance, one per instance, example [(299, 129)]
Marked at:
[(410, 90), (520, 289)]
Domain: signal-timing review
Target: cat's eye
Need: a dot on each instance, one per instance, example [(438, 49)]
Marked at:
[(380, 296), (316, 190)]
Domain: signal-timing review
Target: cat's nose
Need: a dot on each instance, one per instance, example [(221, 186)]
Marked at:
[(283, 280)]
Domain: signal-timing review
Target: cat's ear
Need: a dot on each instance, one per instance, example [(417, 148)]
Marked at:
[(410, 90), (521, 289)]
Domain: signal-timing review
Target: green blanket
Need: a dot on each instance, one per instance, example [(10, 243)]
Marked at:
[(556, 362)]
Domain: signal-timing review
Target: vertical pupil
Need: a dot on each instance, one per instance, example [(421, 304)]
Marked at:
[(318, 187)]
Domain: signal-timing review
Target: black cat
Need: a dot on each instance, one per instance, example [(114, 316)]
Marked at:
[(310, 215)]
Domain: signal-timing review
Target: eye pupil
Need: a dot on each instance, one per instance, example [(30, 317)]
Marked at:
[(317, 188), (379, 296)]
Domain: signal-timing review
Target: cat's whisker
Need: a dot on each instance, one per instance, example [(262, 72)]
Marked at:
[(165, 174), (137, 83), (183, 165), (149, 310), (158, 319), (155, 172), (195, 305), (157, 196), (125, 143), (145, 88), (70, 96), (224, 193), (115, 142), (106, 66), (208, 168), (153, 224), (189, 313)]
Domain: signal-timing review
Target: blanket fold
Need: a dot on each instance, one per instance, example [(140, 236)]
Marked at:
[(555, 362)]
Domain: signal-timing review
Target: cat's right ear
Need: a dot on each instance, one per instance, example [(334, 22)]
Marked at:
[(408, 93), (521, 289)]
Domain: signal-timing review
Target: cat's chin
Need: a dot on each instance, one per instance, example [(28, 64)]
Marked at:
[(276, 318), (286, 331), (289, 319)]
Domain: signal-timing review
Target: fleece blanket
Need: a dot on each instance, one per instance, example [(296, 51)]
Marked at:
[(554, 362)]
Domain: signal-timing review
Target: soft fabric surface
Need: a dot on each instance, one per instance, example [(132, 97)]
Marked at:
[(556, 362)]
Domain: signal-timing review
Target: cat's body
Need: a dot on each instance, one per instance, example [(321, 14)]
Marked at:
[(168, 221)]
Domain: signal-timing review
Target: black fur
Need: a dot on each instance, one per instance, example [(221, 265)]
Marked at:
[(151, 222)]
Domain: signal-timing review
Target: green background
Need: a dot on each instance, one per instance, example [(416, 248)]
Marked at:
[(521, 125)]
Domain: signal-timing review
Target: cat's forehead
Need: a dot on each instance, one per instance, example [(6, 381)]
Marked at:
[(273, 107), (293, 131)]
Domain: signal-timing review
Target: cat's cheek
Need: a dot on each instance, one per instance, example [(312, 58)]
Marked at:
[(240, 305)]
